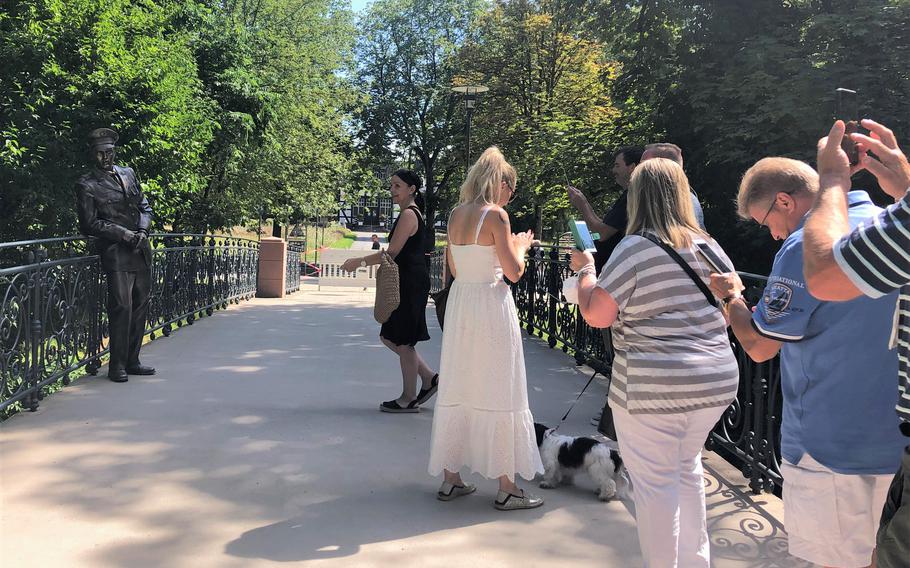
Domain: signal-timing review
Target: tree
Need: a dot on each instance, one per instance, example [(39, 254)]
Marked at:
[(70, 67), (282, 145), (406, 65), (733, 81), (222, 108), (549, 106)]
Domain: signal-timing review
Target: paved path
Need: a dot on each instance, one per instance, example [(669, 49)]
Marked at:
[(364, 242), (259, 443)]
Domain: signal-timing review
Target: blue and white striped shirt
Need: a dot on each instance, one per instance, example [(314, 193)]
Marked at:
[(876, 258)]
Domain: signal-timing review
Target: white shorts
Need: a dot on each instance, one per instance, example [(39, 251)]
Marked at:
[(832, 518)]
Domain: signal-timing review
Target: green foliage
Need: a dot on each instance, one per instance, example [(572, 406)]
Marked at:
[(406, 66), (226, 110), (230, 111), (73, 66), (734, 81), (549, 108), (730, 81)]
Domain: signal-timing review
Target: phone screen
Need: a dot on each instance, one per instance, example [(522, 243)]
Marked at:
[(713, 260), (848, 111), (583, 239)]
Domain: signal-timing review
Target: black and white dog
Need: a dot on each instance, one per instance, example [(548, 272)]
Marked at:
[(565, 456)]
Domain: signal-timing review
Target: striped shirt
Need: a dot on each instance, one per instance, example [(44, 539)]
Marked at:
[(672, 350), (876, 258)]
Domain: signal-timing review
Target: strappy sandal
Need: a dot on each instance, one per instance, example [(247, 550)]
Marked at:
[(426, 394), (511, 502), (448, 491), (395, 408)]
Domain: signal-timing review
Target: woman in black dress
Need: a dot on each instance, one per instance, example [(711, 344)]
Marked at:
[(407, 324)]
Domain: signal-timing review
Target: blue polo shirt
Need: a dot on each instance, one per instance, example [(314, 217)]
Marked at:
[(837, 373)]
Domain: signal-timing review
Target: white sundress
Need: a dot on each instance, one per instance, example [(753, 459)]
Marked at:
[(482, 419)]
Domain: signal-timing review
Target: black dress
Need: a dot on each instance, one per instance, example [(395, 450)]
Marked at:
[(408, 323)]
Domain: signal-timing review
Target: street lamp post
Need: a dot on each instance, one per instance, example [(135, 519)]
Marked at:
[(470, 93)]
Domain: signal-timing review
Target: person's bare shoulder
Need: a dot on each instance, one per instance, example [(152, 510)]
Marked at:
[(500, 214), (409, 214)]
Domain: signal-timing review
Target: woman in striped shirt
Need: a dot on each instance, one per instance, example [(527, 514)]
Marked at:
[(674, 371)]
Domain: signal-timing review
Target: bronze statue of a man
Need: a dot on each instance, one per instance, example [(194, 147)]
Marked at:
[(112, 209)]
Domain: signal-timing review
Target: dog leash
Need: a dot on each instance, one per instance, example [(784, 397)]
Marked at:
[(566, 415)]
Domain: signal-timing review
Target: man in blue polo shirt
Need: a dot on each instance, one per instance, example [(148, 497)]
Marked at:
[(838, 441)]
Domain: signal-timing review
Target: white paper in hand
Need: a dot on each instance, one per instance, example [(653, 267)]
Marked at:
[(570, 289)]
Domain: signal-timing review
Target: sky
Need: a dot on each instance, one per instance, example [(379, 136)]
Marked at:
[(358, 5)]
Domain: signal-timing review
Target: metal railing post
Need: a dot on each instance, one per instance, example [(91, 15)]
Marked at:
[(552, 291)]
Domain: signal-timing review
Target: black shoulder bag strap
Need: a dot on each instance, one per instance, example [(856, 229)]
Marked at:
[(685, 266)]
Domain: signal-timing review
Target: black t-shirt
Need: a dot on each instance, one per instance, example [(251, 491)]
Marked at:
[(617, 217)]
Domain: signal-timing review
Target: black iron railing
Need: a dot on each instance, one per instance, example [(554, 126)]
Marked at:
[(748, 434), (292, 275), (53, 322)]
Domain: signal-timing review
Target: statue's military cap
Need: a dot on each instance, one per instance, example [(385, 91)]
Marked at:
[(102, 138)]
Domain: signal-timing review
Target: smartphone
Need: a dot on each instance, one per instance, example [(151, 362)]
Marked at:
[(712, 259), (848, 112), (584, 241)]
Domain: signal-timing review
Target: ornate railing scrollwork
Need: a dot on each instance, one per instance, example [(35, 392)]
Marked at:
[(292, 274), (53, 321)]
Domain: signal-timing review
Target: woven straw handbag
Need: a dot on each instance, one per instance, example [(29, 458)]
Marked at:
[(388, 292)]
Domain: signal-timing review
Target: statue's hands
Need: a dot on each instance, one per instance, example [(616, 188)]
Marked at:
[(142, 240), (134, 239)]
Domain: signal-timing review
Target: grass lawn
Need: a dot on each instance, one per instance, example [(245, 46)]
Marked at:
[(335, 237)]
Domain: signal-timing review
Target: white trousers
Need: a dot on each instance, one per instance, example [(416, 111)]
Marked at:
[(663, 455)]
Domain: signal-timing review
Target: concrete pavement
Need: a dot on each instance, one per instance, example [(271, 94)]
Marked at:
[(364, 242), (260, 442)]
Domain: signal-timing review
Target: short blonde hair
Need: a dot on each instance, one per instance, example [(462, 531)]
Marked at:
[(770, 176), (660, 201), (485, 176)]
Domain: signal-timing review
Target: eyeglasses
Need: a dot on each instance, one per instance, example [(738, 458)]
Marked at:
[(770, 208), (512, 190)]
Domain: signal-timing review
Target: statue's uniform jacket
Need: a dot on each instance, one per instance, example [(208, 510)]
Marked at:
[(107, 211)]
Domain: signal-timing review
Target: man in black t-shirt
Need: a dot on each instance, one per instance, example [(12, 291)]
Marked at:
[(612, 228)]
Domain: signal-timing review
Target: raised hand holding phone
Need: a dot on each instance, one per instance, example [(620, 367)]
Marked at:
[(584, 241), (847, 111)]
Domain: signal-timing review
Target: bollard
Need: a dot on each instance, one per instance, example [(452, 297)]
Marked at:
[(272, 268)]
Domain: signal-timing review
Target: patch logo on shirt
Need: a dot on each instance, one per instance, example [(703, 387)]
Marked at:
[(777, 299)]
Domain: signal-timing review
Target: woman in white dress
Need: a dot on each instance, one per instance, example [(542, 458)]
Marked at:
[(482, 420)]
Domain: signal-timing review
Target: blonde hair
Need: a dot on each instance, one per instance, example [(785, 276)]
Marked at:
[(770, 176), (485, 176), (660, 202)]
